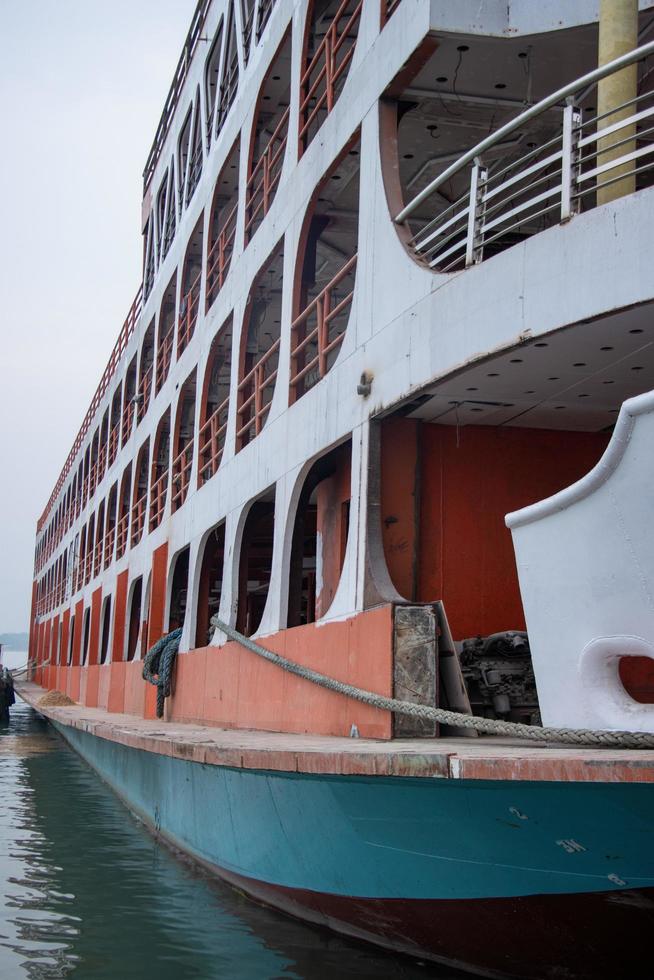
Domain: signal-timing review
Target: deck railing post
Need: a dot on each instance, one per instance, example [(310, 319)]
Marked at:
[(569, 159), (475, 234)]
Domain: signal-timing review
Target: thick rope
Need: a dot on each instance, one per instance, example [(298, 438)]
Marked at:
[(158, 666), (489, 726)]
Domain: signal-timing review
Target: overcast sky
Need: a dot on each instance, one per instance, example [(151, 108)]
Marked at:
[(82, 86)]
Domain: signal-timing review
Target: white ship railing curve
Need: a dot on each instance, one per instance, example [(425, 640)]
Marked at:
[(557, 176)]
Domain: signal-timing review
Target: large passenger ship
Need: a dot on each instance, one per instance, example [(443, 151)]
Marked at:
[(397, 293)]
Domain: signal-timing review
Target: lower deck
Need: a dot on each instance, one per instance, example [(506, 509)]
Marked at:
[(484, 757)]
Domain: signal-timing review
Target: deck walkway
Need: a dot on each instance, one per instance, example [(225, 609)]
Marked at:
[(448, 758)]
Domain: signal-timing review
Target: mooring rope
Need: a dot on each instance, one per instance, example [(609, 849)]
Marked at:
[(158, 666), (488, 726)]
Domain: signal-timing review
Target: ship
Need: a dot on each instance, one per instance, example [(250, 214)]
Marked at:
[(374, 445)]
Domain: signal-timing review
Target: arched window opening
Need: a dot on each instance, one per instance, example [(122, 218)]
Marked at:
[(211, 80), (214, 409), (263, 15), (229, 74), (146, 367), (210, 585), (87, 469), (99, 540), (95, 448), (166, 334), (325, 274), (134, 618), (105, 629), (161, 209), (255, 565), (320, 537), (259, 355), (184, 441), (104, 438), (169, 225), (195, 163), (331, 36), (222, 224), (122, 526), (85, 635), (80, 499), (81, 558), (189, 303), (110, 528), (129, 402), (114, 425), (268, 143), (160, 466), (71, 641), (247, 22), (179, 590), (140, 492), (90, 547), (183, 154), (148, 264)]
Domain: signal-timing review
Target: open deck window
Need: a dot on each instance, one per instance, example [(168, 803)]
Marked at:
[(222, 225), (160, 468), (95, 447), (134, 623), (104, 438), (212, 80), (99, 540), (105, 629), (196, 158), (259, 354), (189, 303), (325, 273), (247, 26), (86, 635), (110, 528), (264, 10), (90, 546), (71, 641), (148, 258), (183, 155), (114, 425), (178, 590), (166, 334), (229, 74), (211, 583), (170, 221), (320, 537), (330, 39), (268, 140), (255, 564), (129, 403), (183, 442), (214, 408), (146, 369), (161, 211), (140, 493), (122, 526)]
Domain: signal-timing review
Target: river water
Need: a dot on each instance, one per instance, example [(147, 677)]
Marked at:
[(87, 892)]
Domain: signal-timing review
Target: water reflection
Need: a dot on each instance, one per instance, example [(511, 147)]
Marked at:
[(88, 892)]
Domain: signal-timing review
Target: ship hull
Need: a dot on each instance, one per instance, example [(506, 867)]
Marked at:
[(501, 878)]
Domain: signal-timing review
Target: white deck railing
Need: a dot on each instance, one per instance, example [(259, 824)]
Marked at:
[(550, 183)]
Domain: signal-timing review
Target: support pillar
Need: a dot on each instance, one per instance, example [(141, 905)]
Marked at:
[(618, 34)]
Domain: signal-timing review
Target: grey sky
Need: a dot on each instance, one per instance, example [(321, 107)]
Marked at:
[(82, 86)]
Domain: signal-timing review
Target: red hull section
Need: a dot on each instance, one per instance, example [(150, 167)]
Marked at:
[(596, 936)]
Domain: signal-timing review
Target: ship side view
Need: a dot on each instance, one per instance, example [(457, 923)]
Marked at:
[(346, 582)]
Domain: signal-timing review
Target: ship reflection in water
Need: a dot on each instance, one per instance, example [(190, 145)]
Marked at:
[(85, 891)]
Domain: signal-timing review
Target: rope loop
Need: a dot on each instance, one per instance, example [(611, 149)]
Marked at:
[(488, 726), (158, 666)]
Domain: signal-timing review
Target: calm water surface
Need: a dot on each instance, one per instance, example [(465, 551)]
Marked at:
[(86, 891)]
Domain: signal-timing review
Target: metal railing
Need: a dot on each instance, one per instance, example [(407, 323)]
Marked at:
[(114, 439), (212, 442), (254, 396), (220, 256), (143, 394), (122, 528), (549, 184), (128, 419), (139, 508), (388, 7), (181, 476), (158, 494), (262, 184), (109, 539), (311, 346), (164, 357), (329, 62), (188, 314)]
